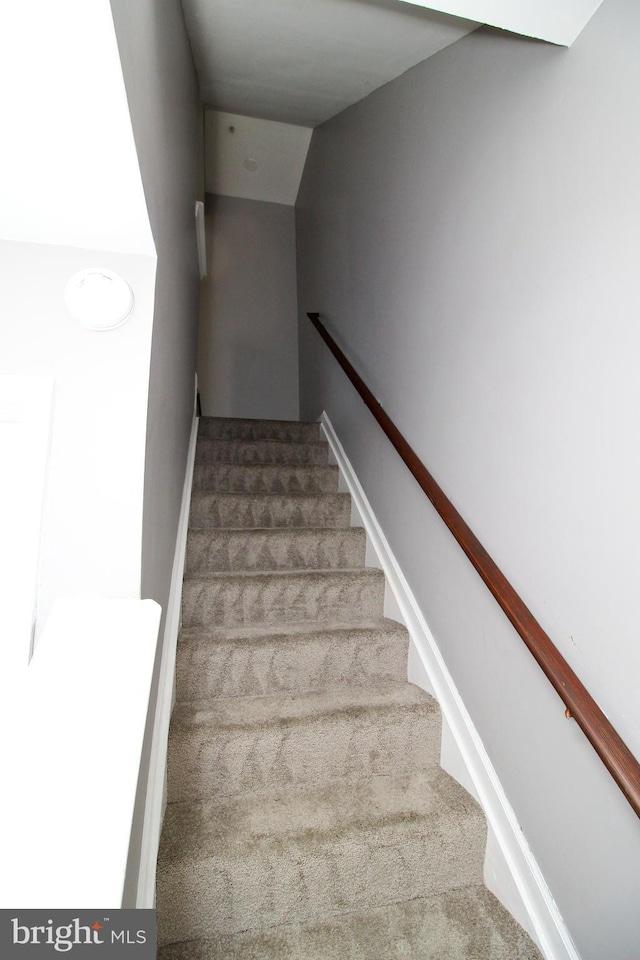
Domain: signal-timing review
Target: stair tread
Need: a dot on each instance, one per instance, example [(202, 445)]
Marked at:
[(282, 709), (228, 549), (282, 595), (364, 573), (287, 631), (245, 661), (266, 499), (306, 817), (242, 423), (307, 855), (463, 924), (226, 510), (256, 420), (267, 444), (253, 474), (290, 532), (261, 450), (248, 442), (269, 465), (255, 466), (232, 745), (284, 441), (266, 495)]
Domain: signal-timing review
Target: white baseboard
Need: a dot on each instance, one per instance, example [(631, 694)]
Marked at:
[(511, 872), (156, 787)]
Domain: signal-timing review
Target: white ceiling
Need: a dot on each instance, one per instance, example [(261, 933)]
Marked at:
[(300, 62), (303, 61), (558, 21)]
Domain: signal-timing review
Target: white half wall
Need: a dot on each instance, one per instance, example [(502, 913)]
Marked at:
[(76, 720), (248, 351)]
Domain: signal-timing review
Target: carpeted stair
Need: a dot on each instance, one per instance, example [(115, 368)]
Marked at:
[(308, 817)]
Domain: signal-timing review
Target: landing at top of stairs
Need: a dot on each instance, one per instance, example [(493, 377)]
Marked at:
[(226, 429)]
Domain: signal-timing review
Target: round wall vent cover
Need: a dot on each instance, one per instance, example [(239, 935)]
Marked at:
[(99, 299)]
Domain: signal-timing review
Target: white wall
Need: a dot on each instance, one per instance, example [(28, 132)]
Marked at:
[(83, 207), (471, 234), (248, 351), (92, 533), (68, 168), (166, 115)]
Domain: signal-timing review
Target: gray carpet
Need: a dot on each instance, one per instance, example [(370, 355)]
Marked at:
[(308, 817)]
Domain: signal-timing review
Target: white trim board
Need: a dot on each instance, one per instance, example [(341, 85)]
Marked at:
[(156, 786), (510, 869)]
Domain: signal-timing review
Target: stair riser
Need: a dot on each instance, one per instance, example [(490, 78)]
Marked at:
[(207, 761), (288, 598), (274, 886), (216, 510), (223, 551), (260, 451), (266, 666), (258, 430), (265, 478)]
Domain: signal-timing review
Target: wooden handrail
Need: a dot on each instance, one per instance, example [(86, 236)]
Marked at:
[(614, 753)]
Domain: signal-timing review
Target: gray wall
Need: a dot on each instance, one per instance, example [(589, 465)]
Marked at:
[(248, 350), (471, 234), (166, 114)]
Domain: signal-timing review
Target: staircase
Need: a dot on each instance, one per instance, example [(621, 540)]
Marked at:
[(308, 817)]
